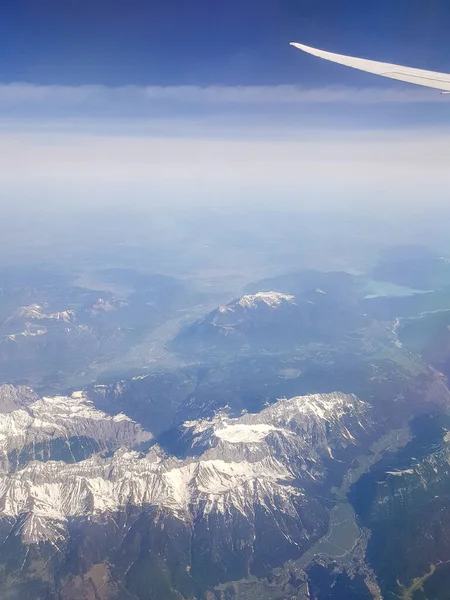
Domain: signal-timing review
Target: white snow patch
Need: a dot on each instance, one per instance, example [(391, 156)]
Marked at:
[(180, 481), (35, 311), (240, 433), (272, 299), (400, 473), (121, 417)]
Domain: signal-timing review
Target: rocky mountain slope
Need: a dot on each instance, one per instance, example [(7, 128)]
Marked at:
[(249, 493), (271, 321), (58, 428)]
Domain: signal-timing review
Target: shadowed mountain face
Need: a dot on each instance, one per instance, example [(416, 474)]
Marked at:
[(404, 502), (277, 321)]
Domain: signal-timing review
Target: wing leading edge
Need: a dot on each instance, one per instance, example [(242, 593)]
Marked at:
[(432, 79)]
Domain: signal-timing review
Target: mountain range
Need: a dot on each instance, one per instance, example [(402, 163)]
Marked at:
[(250, 493)]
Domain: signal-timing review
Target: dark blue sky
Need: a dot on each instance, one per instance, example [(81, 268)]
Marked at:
[(170, 42)]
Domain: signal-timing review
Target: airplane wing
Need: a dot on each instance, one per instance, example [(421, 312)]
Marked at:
[(439, 81)]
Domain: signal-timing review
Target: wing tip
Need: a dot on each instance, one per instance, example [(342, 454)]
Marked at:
[(304, 48), (300, 46)]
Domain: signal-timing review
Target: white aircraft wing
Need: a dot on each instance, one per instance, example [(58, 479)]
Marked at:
[(439, 81)]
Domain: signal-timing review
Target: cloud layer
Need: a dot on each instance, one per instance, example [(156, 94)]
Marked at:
[(219, 143), (18, 97)]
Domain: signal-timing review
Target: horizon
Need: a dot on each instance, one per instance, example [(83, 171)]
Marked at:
[(116, 83)]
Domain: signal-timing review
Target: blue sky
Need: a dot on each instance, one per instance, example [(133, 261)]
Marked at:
[(204, 42), (189, 97)]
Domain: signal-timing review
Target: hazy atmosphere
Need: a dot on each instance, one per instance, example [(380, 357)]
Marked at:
[(224, 300), (178, 111)]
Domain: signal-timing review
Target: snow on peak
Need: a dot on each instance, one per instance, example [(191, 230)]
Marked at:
[(48, 418), (267, 459), (286, 416), (35, 311), (51, 493), (102, 305), (321, 407), (242, 433), (272, 299), (329, 406)]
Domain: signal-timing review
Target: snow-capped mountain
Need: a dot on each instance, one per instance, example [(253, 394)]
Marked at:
[(270, 321), (58, 427), (249, 493), (35, 311), (271, 299), (255, 320), (304, 428), (51, 493)]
